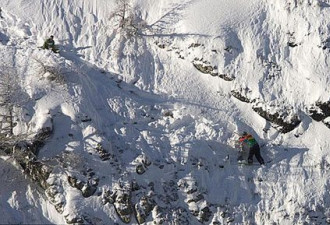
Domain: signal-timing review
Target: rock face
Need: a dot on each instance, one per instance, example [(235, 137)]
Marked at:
[(38, 172), (123, 205), (143, 208), (327, 123), (320, 112), (103, 153), (108, 197), (142, 164), (285, 123), (208, 69), (87, 188), (194, 199), (25, 153), (204, 69), (40, 139), (55, 196), (240, 96), (140, 169), (73, 219), (283, 118), (205, 63), (122, 202)]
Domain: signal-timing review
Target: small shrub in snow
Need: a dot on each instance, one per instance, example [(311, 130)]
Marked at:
[(127, 19), (12, 99), (51, 72)]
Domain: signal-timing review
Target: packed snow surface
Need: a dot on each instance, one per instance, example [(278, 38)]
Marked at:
[(160, 97)]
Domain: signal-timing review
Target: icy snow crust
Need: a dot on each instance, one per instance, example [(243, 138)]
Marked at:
[(141, 97)]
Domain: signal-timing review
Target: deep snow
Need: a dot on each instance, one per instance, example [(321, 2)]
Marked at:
[(141, 97)]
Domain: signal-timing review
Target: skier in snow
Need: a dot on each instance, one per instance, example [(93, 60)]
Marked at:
[(50, 44), (249, 143)]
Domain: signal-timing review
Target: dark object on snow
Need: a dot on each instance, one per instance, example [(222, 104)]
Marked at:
[(249, 143), (50, 44), (292, 44)]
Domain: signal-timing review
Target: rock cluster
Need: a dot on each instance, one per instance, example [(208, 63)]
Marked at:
[(87, 188), (195, 199), (320, 111)]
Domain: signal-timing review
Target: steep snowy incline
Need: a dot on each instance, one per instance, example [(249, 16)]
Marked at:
[(217, 17), (197, 17), (143, 126), (289, 56), (20, 201)]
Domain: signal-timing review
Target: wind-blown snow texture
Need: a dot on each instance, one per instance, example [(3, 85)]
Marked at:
[(144, 126)]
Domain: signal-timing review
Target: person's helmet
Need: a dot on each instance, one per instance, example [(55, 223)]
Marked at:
[(244, 133), (51, 36)]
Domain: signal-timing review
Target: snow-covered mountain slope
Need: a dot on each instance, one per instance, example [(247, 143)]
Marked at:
[(139, 124)]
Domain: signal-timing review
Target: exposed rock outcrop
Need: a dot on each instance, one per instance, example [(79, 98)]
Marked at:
[(25, 153), (87, 188), (144, 207), (212, 70), (103, 153), (285, 122), (320, 111), (73, 219), (54, 194), (123, 205), (237, 94), (195, 199), (142, 163), (202, 65), (283, 118)]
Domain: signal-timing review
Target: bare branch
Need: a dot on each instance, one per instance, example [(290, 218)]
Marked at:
[(54, 73), (12, 98)]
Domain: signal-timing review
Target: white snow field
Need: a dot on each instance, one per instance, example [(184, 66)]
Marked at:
[(144, 120)]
